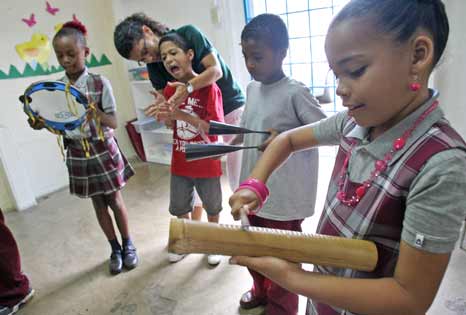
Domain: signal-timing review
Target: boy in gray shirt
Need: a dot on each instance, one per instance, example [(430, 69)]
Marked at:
[(276, 102)]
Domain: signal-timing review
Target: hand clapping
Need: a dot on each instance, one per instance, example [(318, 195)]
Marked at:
[(160, 109)]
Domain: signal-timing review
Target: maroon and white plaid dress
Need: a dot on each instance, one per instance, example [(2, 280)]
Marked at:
[(378, 217), (106, 170)]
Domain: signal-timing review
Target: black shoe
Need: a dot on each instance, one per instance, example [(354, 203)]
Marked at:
[(116, 262), (130, 258)]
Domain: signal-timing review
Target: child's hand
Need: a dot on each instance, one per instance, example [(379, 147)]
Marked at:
[(38, 123), (241, 198), (169, 124), (93, 112), (176, 114), (150, 110), (273, 135), (159, 99), (271, 267), (163, 112), (180, 94)]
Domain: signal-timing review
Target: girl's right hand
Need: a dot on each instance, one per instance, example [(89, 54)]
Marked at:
[(37, 124), (240, 199)]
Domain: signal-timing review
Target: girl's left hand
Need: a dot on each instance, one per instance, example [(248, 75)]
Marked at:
[(240, 198), (94, 112), (273, 135), (270, 267), (180, 94)]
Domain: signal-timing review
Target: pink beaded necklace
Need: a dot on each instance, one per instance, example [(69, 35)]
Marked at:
[(380, 165)]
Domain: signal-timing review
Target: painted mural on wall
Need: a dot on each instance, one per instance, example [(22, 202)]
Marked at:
[(36, 51)]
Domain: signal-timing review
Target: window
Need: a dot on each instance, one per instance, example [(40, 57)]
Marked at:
[(307, 22)]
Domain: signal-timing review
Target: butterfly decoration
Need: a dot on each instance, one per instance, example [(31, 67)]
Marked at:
[(31, 21), (51, 9)]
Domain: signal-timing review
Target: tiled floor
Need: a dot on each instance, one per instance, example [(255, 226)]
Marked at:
[(65, 254)]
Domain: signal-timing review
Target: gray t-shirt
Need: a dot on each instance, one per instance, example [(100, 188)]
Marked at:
[(283, 105), (436, 203)]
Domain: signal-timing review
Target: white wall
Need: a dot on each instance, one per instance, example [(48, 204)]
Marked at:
[(38, 151), (450, 77), (6, 199)]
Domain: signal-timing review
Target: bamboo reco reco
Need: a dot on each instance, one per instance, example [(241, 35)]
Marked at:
[(188, 236)]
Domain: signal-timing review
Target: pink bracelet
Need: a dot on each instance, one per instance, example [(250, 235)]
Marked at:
[(258, 187)]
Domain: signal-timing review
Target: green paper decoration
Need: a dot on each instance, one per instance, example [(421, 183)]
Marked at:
[(28, 71), (14, 73)]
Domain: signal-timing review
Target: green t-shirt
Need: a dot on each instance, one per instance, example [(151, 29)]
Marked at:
[(232, 95)]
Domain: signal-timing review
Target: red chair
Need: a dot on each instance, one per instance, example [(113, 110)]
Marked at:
[(136, 140)]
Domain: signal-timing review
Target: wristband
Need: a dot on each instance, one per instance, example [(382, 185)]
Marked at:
[(258, 187)]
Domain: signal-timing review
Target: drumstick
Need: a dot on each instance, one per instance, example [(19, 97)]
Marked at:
[(196, 151), (243, 212), (218, 128), (188, 236)]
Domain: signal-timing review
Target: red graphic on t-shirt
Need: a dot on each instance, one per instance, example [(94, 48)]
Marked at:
[(206, 104)]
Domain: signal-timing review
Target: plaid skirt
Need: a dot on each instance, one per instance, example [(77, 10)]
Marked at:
[(104, 172)]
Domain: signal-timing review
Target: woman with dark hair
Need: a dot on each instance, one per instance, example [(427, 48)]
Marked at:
[(137, 38)]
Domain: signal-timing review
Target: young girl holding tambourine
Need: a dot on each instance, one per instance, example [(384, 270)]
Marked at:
[(96, 167)]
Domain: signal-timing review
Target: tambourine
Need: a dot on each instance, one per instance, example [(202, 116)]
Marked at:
[(59, 105), (63, 109)]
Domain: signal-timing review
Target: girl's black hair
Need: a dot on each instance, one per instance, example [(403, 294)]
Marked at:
[(402, 18), (129, 31), (268, 28), (176, 39)]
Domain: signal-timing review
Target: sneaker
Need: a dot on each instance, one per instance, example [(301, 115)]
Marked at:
[(214, 260), (10, 310), (173, 258)]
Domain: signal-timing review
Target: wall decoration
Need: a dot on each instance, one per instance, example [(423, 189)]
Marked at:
[(31, 21), (38, 70), (37, 50), (51, 9), (58, 27)]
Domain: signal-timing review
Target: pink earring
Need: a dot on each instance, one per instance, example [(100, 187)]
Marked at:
[(416, 86)]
